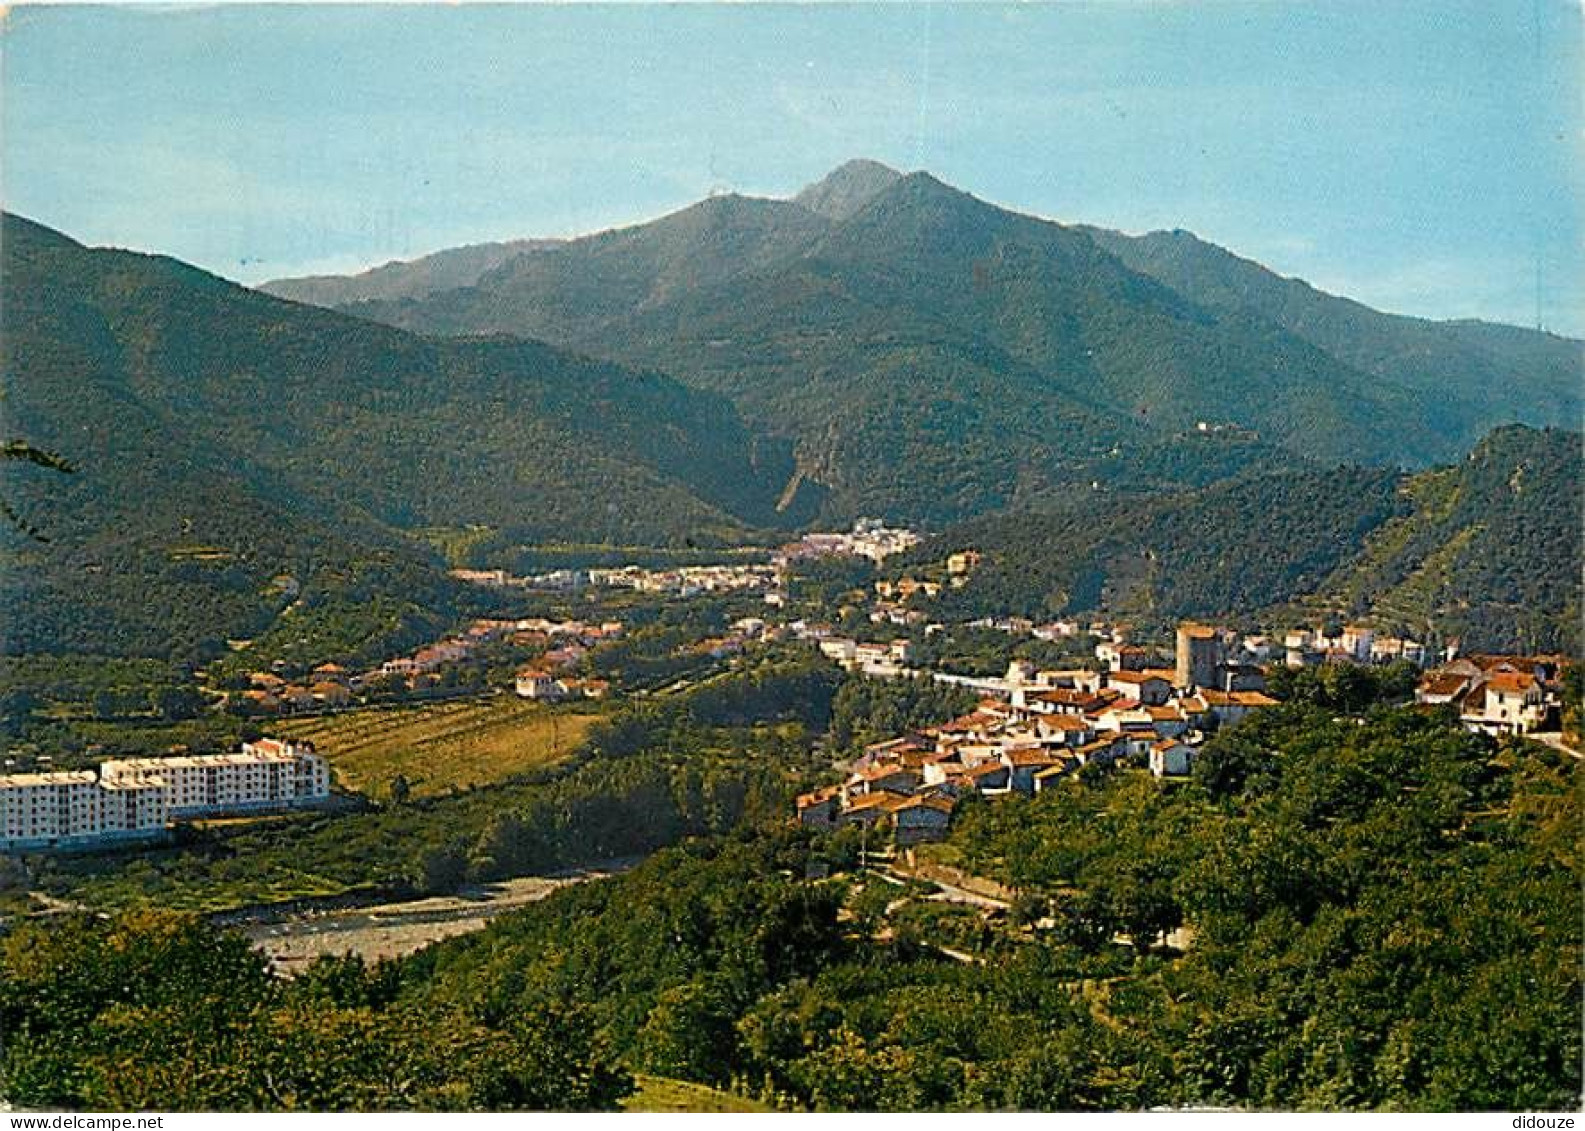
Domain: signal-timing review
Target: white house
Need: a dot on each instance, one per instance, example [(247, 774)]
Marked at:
[(1509, 702), (1170, 758), (536, 683)]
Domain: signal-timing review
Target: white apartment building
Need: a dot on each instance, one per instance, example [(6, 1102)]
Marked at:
[(138, 797), (74, 808)]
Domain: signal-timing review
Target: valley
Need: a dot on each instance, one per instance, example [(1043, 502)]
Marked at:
[(868, 650)]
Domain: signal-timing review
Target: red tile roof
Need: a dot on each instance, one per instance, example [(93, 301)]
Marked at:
[(1512, 682), (1133, 677), (984, 769)]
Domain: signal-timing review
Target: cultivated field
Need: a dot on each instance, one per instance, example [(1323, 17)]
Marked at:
[(440, 745)]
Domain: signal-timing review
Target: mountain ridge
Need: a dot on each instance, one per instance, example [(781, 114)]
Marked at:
[(826, 328)]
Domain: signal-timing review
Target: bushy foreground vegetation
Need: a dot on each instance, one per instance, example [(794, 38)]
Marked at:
[(163, 1012)]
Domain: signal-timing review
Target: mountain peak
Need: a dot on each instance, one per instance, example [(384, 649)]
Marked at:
[(848, 188)]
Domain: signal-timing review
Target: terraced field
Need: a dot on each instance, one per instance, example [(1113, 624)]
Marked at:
[(437, 746)]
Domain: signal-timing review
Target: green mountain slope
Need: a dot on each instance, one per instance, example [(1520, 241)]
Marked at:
[(1491, 551), (225, 438), (1227, 549), (1488, 550), (413, 278), (1471, 374), (885, 321)]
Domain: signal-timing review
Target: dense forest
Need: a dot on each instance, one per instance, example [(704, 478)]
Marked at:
[(1233, 548), (1492, 550), (162, 1012)]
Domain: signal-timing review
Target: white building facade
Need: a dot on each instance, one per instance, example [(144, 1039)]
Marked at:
[(136, 798)]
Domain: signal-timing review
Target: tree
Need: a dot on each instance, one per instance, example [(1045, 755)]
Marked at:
[(690, 1034), (442, 870), (175, 702)]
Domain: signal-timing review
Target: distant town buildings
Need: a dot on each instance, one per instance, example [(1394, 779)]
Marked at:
[(547, 687), (869, 538), (689, 581), (1353, 644), (137, 798)]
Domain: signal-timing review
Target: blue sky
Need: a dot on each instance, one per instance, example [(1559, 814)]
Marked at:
[(1425, 158)]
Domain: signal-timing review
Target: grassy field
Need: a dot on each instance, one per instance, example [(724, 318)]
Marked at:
[(440, 745), (657, 1093)]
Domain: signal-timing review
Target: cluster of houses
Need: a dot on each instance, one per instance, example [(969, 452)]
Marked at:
[(137, 798), (1047, 726), (1353, 644), (870, 538), (1498, 695), (327, 686), (330, 686), (959, 566), (551, 686), (551, 678), (689, 581), (885, 659), (680, 581)]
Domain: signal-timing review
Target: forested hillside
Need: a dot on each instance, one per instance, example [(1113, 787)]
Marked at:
[(413, 278), (1488, 550), (1374, 914), (1230, 549), (238, 456), (1471, 374), (1491, 551), (1314, 860)]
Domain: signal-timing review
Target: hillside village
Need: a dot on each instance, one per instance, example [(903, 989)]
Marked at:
[(1215, 675), (1034, 728), (329, 686)]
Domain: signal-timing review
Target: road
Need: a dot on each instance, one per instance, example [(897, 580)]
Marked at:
[(1554, 739), (947, 892)]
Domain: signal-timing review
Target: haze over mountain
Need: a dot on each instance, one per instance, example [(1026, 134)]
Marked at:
[(227, 441), (888, 321)]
